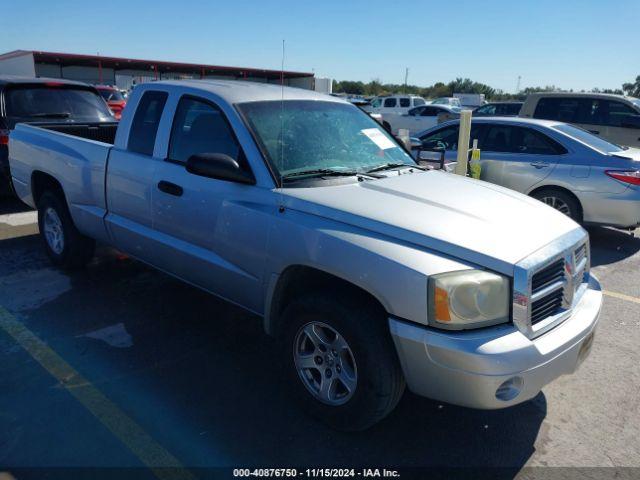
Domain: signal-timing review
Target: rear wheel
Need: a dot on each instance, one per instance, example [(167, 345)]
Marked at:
[(340, 361), (64, 244), (6, 185), (561, 201)]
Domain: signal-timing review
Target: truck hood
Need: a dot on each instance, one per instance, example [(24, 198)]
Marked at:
[(468, 219)]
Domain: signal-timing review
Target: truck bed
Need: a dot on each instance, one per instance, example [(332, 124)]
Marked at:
[(100, 132), (76, 156)]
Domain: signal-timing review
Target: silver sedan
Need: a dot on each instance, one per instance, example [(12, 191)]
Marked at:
[(587, 178)]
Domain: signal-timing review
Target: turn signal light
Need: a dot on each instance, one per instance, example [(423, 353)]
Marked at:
[(442, 305), (626, 176), (4, 137)]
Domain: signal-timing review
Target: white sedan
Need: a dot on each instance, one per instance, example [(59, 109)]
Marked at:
[(420, 118)]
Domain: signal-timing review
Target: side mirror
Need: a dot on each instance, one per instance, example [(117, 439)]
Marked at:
[(430, 155), (432, 159), (218, 166)]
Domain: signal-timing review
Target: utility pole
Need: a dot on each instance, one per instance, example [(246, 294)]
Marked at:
[(406, 76), (518, 84)]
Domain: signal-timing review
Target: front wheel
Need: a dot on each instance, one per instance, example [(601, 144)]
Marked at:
[(64, 244), (340, 361)]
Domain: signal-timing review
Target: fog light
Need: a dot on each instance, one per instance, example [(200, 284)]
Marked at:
[(510, 389)]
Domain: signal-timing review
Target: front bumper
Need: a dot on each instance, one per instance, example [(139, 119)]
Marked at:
[(468, 368)]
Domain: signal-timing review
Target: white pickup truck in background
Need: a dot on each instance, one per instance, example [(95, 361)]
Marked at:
[(470, 100), (394, 104), (371, 272)]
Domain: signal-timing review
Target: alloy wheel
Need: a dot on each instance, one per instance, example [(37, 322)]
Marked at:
[(325, 363), (53, 232), (557, 203)]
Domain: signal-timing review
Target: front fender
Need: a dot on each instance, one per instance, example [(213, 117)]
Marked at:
[(394, 272)]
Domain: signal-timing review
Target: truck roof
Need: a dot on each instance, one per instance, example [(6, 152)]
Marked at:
[(14, 79), (241, 91), (613, 96)]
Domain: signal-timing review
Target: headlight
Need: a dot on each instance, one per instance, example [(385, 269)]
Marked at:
[(468, 299)]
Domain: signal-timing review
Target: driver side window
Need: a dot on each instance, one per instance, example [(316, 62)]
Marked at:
[(199, 127)]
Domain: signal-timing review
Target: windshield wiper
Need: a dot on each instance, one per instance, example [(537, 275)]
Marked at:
[(388, 166), (51, 115), (320, 172)]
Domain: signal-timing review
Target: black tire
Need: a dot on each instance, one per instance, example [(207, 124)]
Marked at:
[(555, 197), (380, 382), (77, 249), (6, 186)]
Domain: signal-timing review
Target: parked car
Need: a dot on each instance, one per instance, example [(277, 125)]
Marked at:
[(581, 175), (470, 99), (613, 117), (498, 109), (43, 100), (364, 105), (451, 101), (394, 104), (114, 99), (370, 271), (420, 118)]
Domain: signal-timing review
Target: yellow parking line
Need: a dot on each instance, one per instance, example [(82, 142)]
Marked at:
[(622, 296), (164, 465)]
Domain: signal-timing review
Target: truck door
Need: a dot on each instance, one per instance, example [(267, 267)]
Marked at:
[(209, 232), (620, 122), (129, 192)]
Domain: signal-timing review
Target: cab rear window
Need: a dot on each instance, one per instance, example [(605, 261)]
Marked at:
[(47, 103)]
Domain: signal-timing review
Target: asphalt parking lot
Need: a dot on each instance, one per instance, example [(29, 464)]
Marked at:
[(123, 366)]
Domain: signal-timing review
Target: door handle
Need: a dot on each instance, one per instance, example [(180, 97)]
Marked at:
[(595, 132), (170, 188), (539, 164)]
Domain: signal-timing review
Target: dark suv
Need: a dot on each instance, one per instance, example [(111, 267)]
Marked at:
[(66, 103), (498, 109)]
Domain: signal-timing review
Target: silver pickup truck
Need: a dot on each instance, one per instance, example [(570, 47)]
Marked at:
[(372, 272)]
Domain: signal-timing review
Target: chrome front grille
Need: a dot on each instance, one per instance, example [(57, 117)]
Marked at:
[(549, 283), (547, 291), (548, 276), (581, 253)]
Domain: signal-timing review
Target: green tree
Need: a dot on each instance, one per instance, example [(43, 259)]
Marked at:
[(633, 88)]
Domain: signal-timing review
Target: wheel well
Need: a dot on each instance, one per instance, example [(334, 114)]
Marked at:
[(559, 189), (42, 182), (298, 280)]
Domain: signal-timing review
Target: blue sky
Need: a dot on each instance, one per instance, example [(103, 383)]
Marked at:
[(579, 45)]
